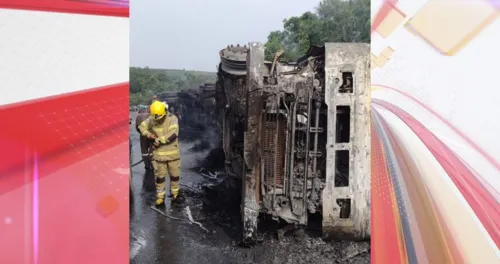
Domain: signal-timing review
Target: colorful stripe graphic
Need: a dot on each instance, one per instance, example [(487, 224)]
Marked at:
[(425, 230), (435, 167)]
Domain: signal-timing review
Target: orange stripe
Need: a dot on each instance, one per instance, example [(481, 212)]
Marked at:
[(384, 228), (398, 231), (400, 235)]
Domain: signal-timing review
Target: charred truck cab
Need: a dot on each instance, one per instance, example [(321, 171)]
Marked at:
[(297, 135)]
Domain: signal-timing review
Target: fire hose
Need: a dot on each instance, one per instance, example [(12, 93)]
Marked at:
[(137, 163), (142, 159)]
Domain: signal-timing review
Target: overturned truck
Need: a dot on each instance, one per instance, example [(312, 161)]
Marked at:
[(297, 135), (193, 107)]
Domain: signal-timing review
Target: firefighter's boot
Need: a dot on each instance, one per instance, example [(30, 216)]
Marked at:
[(178, 199), (160, 191), (175, 190), (160, 200)]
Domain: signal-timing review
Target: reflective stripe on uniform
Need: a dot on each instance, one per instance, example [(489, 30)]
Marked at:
[(167, 153), (160, 179), (174, 126), (158, 129), (143, 128), (162, 140), (175, 178)]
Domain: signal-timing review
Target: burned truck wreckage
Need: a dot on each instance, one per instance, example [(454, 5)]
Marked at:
[(195, 108), (297, 135)]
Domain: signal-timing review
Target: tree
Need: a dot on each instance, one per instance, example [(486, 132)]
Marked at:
[(274, 44), (332, 21), (145, 82)]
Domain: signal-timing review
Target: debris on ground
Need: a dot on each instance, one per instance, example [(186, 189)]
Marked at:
[(190, 217), (210, 174)]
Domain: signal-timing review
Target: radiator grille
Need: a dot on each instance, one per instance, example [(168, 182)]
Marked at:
[(271, 158)]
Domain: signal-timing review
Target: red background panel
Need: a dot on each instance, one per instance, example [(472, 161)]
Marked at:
[(64, 177), (63, 129)]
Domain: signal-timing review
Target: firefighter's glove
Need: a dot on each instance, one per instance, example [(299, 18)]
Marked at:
[(157, 142)]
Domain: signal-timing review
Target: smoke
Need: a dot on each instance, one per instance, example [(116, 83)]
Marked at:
[(203, 136)]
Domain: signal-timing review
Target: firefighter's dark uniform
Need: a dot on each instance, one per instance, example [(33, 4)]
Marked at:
[(146, 143)]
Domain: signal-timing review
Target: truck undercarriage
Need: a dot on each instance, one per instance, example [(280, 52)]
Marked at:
[(297, 135)]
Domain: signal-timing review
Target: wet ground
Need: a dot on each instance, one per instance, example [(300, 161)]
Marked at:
[(155, 238)]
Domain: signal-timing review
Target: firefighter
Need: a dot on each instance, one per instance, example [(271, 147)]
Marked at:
[(162, 127), (146, 146), (143, 109)]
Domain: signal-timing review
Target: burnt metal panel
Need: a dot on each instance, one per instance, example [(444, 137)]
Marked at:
[(252, 139), (341, 59)]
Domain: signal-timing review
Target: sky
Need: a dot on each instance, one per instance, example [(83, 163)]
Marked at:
[(188, 34)]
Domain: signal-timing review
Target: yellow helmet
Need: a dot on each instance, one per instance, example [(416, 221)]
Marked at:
[(158, 110)]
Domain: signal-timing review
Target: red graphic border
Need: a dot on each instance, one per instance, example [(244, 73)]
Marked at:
[(88, 7)]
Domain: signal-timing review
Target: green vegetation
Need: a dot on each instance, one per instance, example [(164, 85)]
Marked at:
[(145, 82), (332, 21)]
